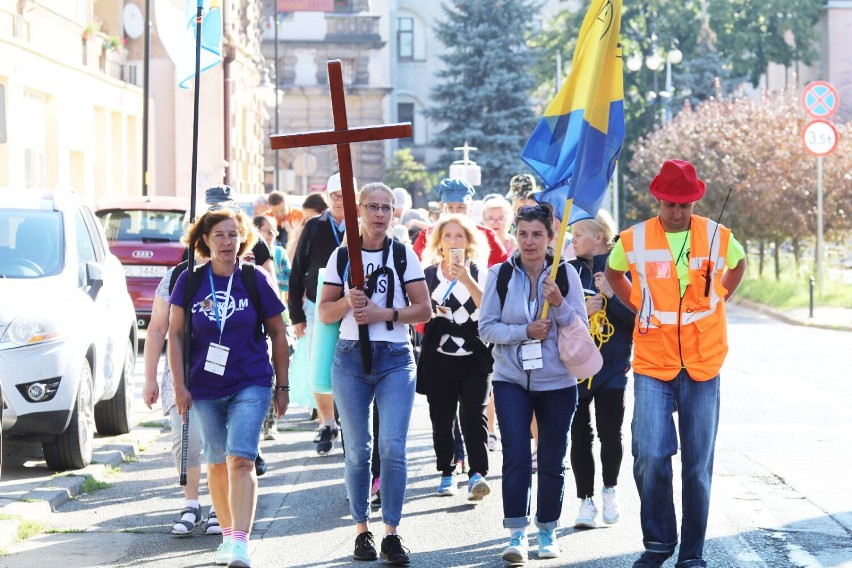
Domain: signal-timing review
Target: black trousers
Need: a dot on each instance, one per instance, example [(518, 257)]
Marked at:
[(455, 381), (609, 415)]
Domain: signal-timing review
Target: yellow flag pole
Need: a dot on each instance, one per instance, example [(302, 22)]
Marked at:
[(560, 242)]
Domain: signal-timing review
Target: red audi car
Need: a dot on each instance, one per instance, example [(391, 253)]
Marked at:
[(144, 233)]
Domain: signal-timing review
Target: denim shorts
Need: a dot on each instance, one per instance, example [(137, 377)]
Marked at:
[(230, 425)]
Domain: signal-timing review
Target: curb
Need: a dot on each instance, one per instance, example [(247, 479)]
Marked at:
[(36, 505), (781, 316)]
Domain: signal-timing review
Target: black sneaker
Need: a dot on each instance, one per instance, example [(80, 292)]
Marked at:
[(365, 548), (326, 441), (259, 464), (393, 552)]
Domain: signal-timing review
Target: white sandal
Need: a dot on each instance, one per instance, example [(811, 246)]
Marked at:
[(212, 524)]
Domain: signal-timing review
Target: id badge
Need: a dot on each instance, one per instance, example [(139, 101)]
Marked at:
[(531, 355), (217, 358), (444, 311)]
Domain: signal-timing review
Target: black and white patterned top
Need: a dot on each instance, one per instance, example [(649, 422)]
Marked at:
[(459, 304)]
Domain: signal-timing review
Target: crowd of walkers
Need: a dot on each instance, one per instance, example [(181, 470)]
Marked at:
[(494, 342)]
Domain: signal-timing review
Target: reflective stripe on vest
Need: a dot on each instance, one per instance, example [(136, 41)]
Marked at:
[(642, 257)]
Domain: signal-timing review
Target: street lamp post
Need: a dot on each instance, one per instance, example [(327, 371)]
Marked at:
[(653, 61), (275, 78)]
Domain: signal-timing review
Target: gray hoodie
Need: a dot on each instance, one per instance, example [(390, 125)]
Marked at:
[(508, 329)]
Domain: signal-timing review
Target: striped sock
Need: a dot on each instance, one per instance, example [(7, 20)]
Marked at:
[(239, 536), (226, 532)]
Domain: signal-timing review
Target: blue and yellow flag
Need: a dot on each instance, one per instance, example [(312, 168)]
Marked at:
[(575, 145), (211, 37)]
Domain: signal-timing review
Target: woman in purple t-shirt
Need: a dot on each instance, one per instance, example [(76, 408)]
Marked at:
[(229, 368)]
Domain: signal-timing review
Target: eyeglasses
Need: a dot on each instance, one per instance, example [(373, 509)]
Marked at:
[(500, 219), (376, 207), (336, 195)]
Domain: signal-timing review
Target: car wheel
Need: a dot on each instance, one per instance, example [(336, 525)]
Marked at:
[(115, 415), (73, 448)]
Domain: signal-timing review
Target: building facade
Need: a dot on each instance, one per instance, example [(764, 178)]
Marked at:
[(68, 117), (310, 33)]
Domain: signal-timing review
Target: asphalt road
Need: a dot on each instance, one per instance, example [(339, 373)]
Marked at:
[(779, 495)]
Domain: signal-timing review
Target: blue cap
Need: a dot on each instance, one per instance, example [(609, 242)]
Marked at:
[(454, 190)]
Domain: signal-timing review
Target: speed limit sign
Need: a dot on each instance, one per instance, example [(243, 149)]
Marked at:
[(820, 138)]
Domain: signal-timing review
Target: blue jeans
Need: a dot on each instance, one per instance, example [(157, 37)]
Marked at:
[(230, 425), (391, 384), (554, 411), (654, 443)]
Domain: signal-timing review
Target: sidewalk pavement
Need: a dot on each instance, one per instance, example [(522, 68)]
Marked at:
[(823, 317)]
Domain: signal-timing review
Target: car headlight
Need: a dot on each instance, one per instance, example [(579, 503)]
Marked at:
[(31, 330)]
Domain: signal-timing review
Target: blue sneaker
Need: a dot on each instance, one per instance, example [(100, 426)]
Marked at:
[(447, 486), (547, 547), (477, 488), (239, 555), (518, 549), (223, 553)]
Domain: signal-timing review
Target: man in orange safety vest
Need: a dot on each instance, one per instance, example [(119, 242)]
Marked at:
[(683, 267)]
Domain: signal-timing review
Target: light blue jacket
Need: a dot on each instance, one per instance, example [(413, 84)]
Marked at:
[(507, 328)]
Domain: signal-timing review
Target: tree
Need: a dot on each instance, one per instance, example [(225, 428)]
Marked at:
[(754, 147), (408, 173), (482, 95)]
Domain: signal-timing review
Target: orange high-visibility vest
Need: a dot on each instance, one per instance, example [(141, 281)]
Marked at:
[(674, 332)]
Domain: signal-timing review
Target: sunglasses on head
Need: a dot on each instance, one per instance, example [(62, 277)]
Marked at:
[(224, 207), (536, 211)]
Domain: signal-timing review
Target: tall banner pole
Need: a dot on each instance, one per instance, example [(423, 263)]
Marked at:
[(187, 326)]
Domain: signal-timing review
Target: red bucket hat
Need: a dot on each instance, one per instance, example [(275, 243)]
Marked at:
[(677, 182)]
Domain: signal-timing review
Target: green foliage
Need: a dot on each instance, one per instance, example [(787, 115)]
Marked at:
[(90, 485), (789, 294), (27, 529), (482, 94), (410, 174)]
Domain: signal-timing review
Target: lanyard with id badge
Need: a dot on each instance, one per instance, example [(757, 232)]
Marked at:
[(529, 352), (217, 354)]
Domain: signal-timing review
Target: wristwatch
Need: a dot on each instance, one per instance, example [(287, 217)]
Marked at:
[(395, 315), (282, 388)]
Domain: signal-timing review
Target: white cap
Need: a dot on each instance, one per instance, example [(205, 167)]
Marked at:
[(333, 183), (402, 198)]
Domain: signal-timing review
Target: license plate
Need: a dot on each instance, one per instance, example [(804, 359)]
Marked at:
[(145, 271)]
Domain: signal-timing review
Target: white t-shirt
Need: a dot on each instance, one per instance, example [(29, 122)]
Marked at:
[(372, 260)]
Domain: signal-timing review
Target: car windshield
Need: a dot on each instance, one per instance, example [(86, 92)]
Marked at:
[(150, 226), (31, 244)]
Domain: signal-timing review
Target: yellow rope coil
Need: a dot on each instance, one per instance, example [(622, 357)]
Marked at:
[(601, 331)]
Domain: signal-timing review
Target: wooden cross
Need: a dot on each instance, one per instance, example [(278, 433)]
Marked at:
[(343, 136)]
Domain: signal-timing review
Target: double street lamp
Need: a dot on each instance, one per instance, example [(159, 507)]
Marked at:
[(653, 61)]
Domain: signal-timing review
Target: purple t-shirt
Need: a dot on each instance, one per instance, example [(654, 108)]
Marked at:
[(248, 360)]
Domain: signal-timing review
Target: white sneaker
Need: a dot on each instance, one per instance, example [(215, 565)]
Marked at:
[(518, 550), (587, 515), (611, 513)]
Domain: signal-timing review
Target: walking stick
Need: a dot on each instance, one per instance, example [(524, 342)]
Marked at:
[(190, 261)]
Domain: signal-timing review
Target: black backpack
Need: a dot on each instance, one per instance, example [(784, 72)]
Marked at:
[(248, 274), (400, 263), (504, 274)]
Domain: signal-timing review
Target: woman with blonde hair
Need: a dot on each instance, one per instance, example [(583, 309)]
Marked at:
[(612, 326), (454, 363)]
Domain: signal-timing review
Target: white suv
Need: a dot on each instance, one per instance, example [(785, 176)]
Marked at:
[(67, 327)]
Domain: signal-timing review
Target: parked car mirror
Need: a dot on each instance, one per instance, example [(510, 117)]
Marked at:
[(95, 278)]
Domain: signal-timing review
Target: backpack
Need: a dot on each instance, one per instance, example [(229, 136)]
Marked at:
[(248, 274), (504, 274), (400, 263)]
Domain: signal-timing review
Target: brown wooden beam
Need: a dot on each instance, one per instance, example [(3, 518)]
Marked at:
[(352, 135)]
